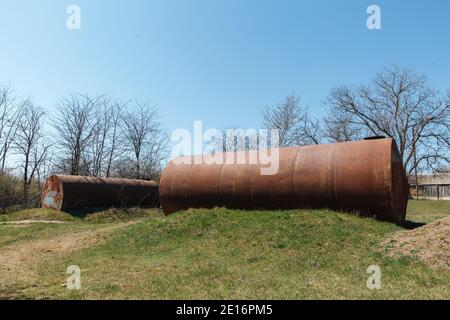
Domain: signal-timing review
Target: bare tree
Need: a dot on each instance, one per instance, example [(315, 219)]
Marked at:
[(115, 117), (232, 139), (46, 167), (398, 103), (309, 131), (30, 145), (105, 138), (99, 136), (154, 156), (339, 128), (292, 120), (10, 113), (145, 141), (76, 127)]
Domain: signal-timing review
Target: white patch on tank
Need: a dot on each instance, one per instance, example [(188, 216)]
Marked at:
[(49, 200)]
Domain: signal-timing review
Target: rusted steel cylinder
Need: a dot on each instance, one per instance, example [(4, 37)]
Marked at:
[(75, 192), (364, 177)]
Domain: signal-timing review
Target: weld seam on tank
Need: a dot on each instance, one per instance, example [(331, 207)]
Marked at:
[(292, 172)]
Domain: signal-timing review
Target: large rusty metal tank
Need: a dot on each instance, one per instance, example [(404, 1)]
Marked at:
[(365, 177), (76, 192)]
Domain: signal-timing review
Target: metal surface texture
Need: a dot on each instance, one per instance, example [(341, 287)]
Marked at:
[(364, 177), (76, 192)]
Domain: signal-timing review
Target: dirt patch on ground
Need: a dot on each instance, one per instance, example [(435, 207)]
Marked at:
[(17, 261), (31, 250), (20, 222), (430, 243)]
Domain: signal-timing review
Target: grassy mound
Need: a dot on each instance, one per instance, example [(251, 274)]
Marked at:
[(91, 215), (37, 214), (237, 254), (220, 253)]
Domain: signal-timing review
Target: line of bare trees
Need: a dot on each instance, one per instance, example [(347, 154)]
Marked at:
[(22, 138), (89, 135), (101, 136), (397, 103)]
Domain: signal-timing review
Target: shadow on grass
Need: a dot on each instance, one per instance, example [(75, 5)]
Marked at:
[(83, 213), (112, 213), (410, 225)]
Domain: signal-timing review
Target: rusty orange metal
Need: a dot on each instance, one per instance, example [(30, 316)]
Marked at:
[(364, 177), (76, 192)]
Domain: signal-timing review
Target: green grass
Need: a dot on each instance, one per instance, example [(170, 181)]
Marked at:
[(78, 221), (428, 210), (226, 254), (36, 214), (81, 216), (12, 234)]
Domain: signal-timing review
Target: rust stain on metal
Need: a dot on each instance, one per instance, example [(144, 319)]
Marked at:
[(76, 192), (364, 177)]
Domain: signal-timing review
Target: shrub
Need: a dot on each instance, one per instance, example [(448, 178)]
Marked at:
[(11, 194)]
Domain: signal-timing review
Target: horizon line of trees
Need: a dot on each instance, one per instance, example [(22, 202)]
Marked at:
[(88, 136), (397, 103), (98, 135)]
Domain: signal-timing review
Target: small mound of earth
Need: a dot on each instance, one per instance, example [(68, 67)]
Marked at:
[(430, 243)]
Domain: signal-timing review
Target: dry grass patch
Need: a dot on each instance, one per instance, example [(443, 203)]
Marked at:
[(430, 243)]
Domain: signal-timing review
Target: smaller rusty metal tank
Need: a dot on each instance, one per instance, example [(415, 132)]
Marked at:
[(76, 192)]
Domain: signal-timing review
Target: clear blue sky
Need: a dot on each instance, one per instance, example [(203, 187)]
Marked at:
[(219, 61)]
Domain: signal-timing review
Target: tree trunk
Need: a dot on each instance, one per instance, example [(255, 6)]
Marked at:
[(415, 174)]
